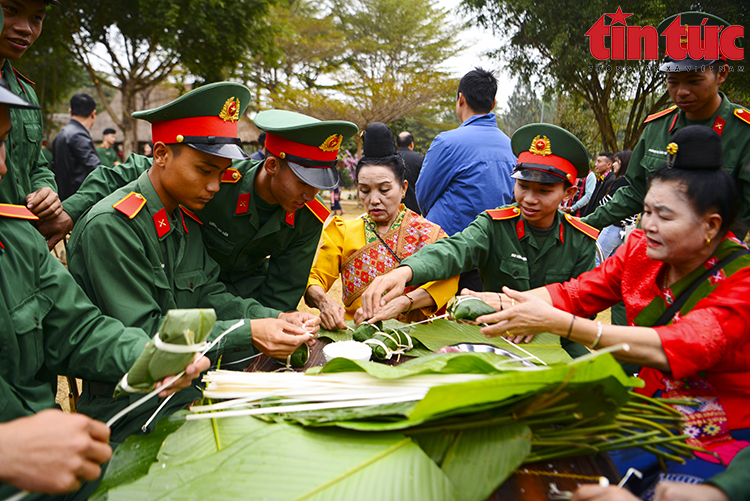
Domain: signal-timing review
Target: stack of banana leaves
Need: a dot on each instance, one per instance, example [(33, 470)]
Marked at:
[(438, 427)]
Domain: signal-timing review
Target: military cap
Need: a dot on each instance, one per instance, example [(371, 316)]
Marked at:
[(310, 146), (696, 147), (109, 130), (7, 97), (205, 118), (691, 18), (548, 154)]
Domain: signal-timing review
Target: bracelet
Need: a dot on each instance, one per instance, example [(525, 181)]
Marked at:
[(411, 305), (500, 297), (570, 329), (598, 335)]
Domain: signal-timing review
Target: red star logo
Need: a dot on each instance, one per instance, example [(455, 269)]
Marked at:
[(619, 17)]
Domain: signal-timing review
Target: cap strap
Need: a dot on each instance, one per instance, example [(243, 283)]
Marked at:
[(209, 140), (304, 154), (306, 162), (549, 163)]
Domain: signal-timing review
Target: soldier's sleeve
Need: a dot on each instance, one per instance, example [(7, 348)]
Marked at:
[(626, 201), (327, 267), (41, 175), (100, 183), (288, 271), (733, 480), (451, 256), (78, 339), (433, 178), (11, 407)]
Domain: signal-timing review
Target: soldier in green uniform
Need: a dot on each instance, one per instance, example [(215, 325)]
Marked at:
[(139, 252), (264, 225), (107, 151), (29, 181), (693, 86), (524, 245), (47, 320)]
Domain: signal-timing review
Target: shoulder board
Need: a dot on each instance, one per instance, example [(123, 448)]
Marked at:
[(743, 115), (191, 215), (660, 114), (318, 208), (231, 175), (584, 228), (131, 204), (17, 212), (19, 75), (501, 214)]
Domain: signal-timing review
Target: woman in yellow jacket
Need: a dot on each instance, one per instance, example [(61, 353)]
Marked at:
[(358, 250)]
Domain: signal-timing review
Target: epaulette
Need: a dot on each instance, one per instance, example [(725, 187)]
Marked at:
[(19, 75), (131, 204), (191, 215), (743, 115), (231, 175), (17, 212), (660, 114), (318, 208), (584, 228), (501, 214)]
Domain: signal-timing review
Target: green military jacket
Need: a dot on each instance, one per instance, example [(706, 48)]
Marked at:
[(733, 481), (28, 169), (269, 263), (136, 262), (731, 122), (107, 156), (500, 243), (47, 320)]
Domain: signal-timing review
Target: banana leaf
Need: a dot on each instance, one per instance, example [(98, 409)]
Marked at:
[(469, 308), (283, 462), (179, 327), (347, 335), (443, 332)]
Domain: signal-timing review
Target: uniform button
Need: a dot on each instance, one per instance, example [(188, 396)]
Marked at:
[(139, 196), (235, 175), (191, 286), (515, 273), (36, 321)]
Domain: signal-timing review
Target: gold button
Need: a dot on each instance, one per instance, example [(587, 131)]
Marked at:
[(180, 138), (235, 175), (139, 196), (740, 111), (282, 155)]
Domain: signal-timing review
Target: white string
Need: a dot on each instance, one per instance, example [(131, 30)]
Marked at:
[(177, 348), (514, 344)]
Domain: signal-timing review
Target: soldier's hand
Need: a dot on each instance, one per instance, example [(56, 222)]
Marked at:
[(52, 452), (497, 300), (44, 203), (55, 229), (391, 310), (192, 371), (384, 288), (278, 338), (305, 319)]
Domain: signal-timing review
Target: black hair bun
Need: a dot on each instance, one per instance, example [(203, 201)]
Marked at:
[(378, 141)]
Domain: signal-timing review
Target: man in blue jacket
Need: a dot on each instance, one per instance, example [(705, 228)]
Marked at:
[(467, 170)]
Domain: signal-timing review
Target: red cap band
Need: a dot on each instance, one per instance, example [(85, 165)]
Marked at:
[(552, 161), (167, 131), (280, 146)]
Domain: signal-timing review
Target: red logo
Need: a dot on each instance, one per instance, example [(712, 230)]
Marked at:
[(642, 42)]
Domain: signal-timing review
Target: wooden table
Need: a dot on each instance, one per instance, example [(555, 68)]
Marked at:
[(531, 482)]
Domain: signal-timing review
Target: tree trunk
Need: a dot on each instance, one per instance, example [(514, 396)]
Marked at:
[(127, 123)]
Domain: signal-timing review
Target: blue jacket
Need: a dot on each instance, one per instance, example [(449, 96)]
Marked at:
[(466, 171)]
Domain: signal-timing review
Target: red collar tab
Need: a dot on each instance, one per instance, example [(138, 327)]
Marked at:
[(562, 241), (191, 215), (319, 209), (289, 218), (131, 204), (584, 228), (520, 230), (323, 156), (231, 175), (184, 226), (2, 246), (501, 214), (243, 203), (17, 212), (161, 222), (718, 125), (674, 121)]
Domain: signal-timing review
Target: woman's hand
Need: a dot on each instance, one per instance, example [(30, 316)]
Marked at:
[(527, 316), (390, 310), (385, 288), (497, 300), (332, 315), (305, 319)]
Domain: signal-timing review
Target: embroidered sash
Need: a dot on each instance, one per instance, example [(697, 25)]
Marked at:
[(374, 259), (705, 423)]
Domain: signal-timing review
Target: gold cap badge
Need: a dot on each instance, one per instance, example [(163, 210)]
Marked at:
[(231, 110), (540, 145), (332, 143)]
